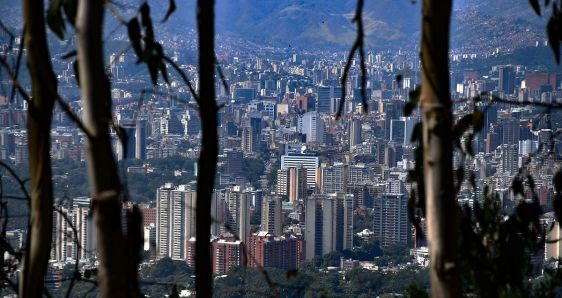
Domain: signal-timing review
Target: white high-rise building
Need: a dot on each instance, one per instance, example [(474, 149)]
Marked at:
[(312, 125), (84, 226), (308, 161), (62, 236), (334, 178), (329, 224), (238, 213), (175, 223), (354, 133)]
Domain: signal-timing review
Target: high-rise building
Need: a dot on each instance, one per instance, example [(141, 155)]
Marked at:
[(268, 251), (218, 212), (506, 79), (176, 211), (509, 158), (271, 215), (329, 223), (136, 130), (354, 133), (234, 160), (227, 254), (83, 223), (282, 186), (358, 173), (324, 97), (312, 125), (251, 135), (510, 130), (308, 161), (401, 130), (390, 219), (334, 178), (297, 183), (238, 212), (63, 236)]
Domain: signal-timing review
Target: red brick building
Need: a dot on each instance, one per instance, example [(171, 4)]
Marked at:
[(285, 252), (227, 254)]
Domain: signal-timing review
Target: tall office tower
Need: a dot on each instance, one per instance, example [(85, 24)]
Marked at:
[(62, 236), (324, 97), (84, 226), (269, 251), (255, 197), (234, 160), (251, 135), (7, 143), (308, 161), (175, 219), (227, 254), (312, 125), (390, 219), (297, 183), (334, 178), (136, 138), (506, 79), (401, 130), (248, 140), (193, 122), (359, 173), (218, 212), (329, 223), (238, 212), (282, 185), (361, 196), (509, 162), (141, 128), (392, 154), (271, 215), (354, 133), (510, 130)]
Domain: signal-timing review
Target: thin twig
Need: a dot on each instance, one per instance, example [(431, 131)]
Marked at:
[(357, 45)]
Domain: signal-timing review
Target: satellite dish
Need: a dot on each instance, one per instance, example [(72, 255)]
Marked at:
[(303, 148)]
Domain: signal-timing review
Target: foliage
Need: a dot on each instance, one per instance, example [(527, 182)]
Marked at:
[(252, 169), (251, 282)]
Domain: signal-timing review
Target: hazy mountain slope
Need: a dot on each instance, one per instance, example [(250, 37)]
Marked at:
[(476, 25)]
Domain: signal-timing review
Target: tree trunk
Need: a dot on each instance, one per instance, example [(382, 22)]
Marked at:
[(102, 168), (209, 146), (44, 88), (438, 150)]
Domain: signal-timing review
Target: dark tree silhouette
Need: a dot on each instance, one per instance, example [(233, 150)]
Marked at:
[(209, 145)]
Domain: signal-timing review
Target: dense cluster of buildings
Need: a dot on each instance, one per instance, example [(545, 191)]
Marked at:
[(279, 107)]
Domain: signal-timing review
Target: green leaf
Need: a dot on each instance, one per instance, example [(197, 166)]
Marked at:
[(133, 29), (517, 186), (477, 120), (69, 55), (69, 7), (153, 70), (468, 144), (171, 9), (55, 19), (536, 6), (147, 21)]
